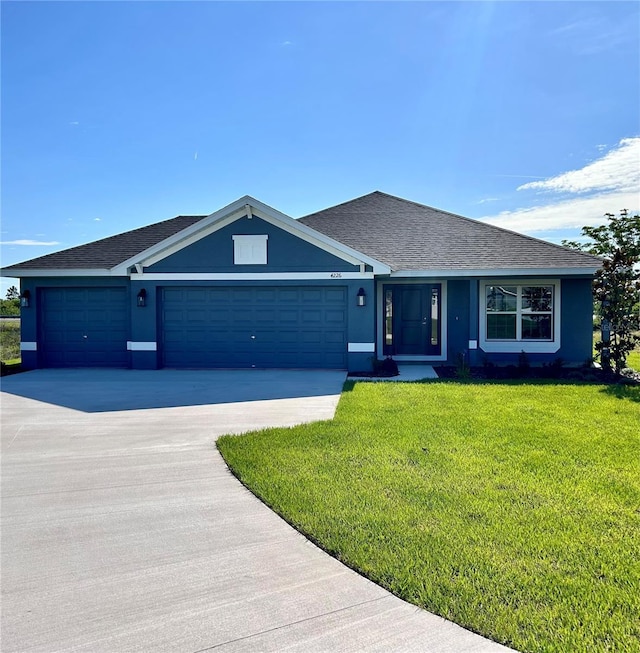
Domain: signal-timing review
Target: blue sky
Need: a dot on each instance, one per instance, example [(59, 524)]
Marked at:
[(120, 114)]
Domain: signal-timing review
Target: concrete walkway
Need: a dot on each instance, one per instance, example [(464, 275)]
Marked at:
[(406, 373), (123, 530)]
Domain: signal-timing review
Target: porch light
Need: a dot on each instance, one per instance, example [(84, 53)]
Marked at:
[(142, 298), (25, 299), (361, 297)]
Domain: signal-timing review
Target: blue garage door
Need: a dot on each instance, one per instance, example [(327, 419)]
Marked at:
[(285, 327), (83, 327)]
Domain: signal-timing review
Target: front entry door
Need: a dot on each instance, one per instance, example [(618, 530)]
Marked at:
[(412, 319)]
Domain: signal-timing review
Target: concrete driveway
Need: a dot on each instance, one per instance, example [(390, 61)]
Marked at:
[(123, 530)]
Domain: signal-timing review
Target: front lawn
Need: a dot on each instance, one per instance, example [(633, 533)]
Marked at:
[(512, 509)]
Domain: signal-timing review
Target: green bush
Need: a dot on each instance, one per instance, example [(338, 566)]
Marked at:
[(9, 340)]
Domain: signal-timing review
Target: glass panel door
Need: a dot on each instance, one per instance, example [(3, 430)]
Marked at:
[(412, 317)]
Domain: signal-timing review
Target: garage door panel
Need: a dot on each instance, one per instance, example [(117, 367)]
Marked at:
[(335, 338), (83, 327), (254, 327)]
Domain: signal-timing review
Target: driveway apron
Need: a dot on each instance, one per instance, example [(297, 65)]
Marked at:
[(123, 529)]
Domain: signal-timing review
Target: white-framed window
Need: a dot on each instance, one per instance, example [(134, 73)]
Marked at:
[(520, 315), (250, 250)]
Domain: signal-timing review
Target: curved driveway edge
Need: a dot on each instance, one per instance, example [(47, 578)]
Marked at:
[(123, 529)]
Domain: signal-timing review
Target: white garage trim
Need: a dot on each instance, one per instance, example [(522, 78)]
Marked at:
[(29, 346), (361, 347), (141, 346)]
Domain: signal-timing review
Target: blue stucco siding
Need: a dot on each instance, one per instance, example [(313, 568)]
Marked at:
[(458, 315), (144, 331), (285, 253), (577, 320)]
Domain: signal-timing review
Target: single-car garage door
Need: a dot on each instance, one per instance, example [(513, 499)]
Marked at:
[(255, 327), (83, 327)]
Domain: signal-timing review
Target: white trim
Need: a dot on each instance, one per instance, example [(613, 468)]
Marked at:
[(80, 272), (517, 346), (473, 344), (28, 346), (235, 211), (361, 347), (249, 276), (418, 359), (141, 346), (493, 272), (443, 318)]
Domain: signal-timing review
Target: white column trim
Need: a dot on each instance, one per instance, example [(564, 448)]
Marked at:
[(141, 346), (361, 347), (29, 346)]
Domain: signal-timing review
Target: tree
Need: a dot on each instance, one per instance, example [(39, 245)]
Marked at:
[(12, 293), (616, 284)]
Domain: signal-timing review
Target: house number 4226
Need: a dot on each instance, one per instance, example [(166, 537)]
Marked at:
[(336, 275)]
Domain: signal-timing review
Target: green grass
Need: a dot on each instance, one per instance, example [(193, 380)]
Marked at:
[(511, 509), (9, 340), (633, 360)]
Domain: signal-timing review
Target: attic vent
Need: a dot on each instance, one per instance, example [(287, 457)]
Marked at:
[(250, 250)]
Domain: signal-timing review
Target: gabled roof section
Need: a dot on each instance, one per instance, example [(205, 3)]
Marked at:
[(248, 205), (118, 254), (408, 236)]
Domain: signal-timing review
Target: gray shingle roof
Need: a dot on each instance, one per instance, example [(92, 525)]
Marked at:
[(400, 233), (109, 252), (410, 236)]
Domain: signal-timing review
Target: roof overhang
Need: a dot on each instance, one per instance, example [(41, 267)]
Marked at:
[(58, 272), (245, 206), (495, 272)]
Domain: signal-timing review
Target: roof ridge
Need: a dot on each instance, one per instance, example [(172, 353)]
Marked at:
[(335, 206), (477, 221)]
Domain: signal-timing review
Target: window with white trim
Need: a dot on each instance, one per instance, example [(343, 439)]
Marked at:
[(525, 315), (250, 250)]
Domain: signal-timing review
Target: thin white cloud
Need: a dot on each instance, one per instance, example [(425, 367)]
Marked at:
[(285, 43), (74, 123), (97, 219), (594, 33), (488, 199), (619, 169), (572, 213), (30, 243)]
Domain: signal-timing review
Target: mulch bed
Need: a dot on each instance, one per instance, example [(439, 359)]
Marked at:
[(582, 374)]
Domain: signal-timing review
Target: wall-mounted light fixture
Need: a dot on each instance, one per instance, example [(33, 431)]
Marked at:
[(25, 299), (362, 297), (142, 298)]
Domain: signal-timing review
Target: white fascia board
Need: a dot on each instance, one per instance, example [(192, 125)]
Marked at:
[(250, 276), (235, 211), (493, 272), (79, 272)]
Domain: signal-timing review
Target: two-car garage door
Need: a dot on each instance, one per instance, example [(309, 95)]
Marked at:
[(254, 327)]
